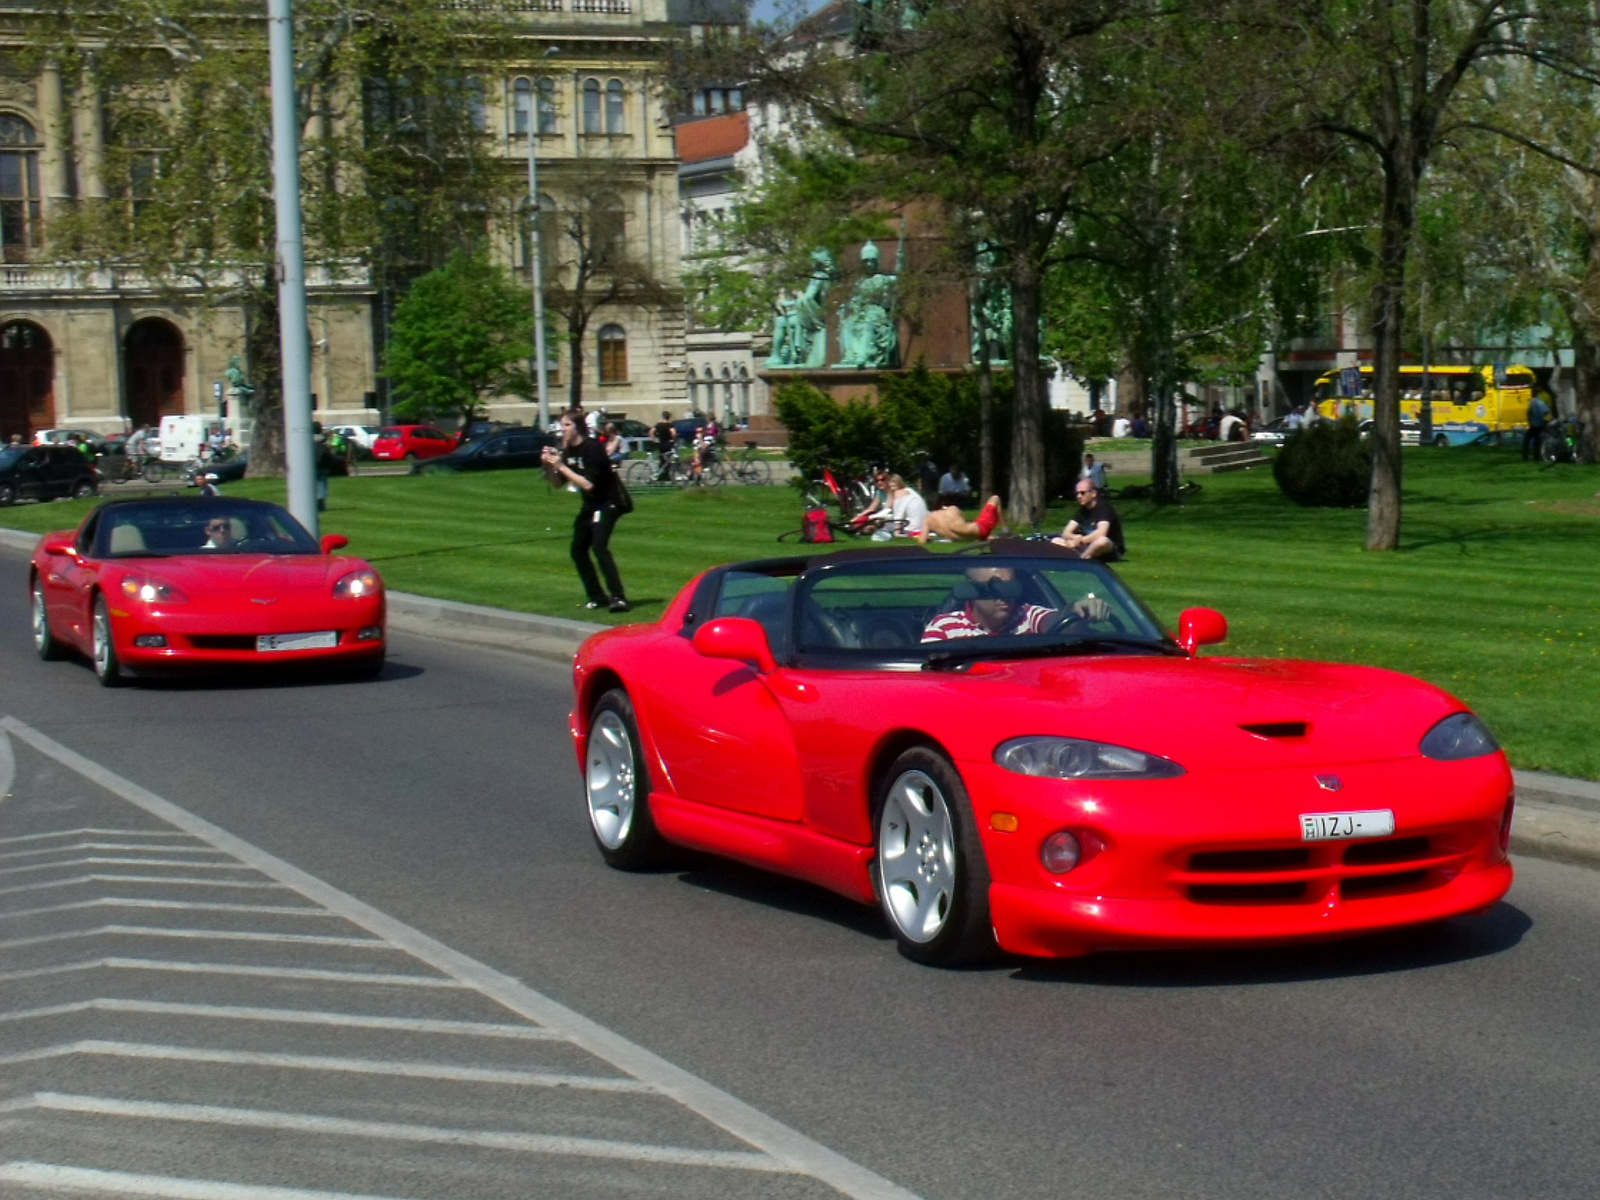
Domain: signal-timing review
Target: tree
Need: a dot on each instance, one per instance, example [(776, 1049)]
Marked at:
[(460, 335), (394, 165)]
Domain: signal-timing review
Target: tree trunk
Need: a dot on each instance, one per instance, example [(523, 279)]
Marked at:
[(264, 354), (1388, 325), (1586, 389), (575, 353), (1026, 501)]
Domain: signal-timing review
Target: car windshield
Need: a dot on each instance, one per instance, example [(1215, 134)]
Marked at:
[(12, 454), (945, 610), (392, 431), (208, 527)]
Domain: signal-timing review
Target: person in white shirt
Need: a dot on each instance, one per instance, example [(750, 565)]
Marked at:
[(1121, 427)]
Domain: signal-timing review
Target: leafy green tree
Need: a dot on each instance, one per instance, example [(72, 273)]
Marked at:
[(459, 336)]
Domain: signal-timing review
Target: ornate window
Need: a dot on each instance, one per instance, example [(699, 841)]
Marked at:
[(521, 104), (547, 105), (616, 114), (613, 354), (591, 106), (19, 188), (136, 142)]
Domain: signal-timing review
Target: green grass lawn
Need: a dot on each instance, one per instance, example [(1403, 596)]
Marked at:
[(1493, 595)]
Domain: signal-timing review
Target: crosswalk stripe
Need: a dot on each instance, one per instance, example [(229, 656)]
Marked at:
[(98, 860), (63, 833), (48, 1177), (78, 846), (168, 880), (220, 935), (267, 910), (155, 964), (292, 1016)]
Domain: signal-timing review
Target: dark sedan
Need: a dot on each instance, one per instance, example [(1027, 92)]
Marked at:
[(498, 452), (45, 473)]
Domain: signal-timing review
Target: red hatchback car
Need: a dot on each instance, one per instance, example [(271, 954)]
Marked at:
[(397, 442), (1005, 749)]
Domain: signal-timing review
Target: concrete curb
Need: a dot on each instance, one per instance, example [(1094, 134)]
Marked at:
[(1556, 817)]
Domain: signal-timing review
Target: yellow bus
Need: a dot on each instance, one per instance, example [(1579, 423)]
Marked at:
[(1467, 402)]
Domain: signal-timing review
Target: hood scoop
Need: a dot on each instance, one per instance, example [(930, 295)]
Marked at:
[(1277, 729)]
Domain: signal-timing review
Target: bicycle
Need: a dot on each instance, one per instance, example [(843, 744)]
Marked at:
[(851, 497), (748, 467), (158, 470), (656, 470), (1562, 443)]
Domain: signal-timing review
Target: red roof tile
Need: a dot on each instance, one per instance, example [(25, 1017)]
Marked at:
[(713, 137)]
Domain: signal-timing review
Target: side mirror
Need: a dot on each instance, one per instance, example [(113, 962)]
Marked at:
[(1201, 627), (738, 638), (334, 541), (60, 545)]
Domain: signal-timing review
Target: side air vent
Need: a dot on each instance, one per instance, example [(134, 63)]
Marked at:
[(1277, 729)]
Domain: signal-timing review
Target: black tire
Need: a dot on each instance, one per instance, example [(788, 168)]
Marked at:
[(618, 802), (153, 472), (638, 473), (104, 647), (933, 886), (757, 471), (370, 669), (8, 494), (83, 489), (44, 638), (1441, 441)]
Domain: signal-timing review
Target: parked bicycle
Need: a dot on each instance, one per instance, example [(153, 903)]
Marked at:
[(1562, 442), (657, 469), (749, 467), (848, 496)]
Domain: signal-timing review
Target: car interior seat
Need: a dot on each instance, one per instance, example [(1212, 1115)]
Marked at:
[(126, 539)]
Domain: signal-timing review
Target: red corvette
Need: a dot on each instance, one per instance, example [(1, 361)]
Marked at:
[(1007, 749), (157, 584)]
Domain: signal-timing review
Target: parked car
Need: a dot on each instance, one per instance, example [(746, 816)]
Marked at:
[(362, 435), (500, 452), (45, 473), (634, 435), (409, 442), (61, 437), (1274, 433), (1007, 751), (1410, 431), (478, 430), (227, 470)]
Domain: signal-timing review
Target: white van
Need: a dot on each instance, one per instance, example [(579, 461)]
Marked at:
[(182, 437)]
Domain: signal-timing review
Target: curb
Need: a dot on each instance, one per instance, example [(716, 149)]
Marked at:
[(1556, 817)]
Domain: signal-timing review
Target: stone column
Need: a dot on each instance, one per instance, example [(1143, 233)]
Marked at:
[(57, 142), (90, 140)]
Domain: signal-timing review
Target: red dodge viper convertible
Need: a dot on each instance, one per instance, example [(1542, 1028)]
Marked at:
[(187, 582), (1005, 748)]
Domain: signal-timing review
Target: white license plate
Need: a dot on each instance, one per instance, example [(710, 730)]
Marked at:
[(324, 639), (1335, 826)]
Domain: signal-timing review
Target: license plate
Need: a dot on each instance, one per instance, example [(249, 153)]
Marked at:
[(1335, 826), (324, 639)]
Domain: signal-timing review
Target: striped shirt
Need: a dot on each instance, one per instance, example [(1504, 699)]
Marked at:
[(1029, 618)]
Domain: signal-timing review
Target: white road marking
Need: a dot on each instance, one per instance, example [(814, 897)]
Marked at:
[(44, 1177), (292, 1016), (100, 860), (8, 768), (321, 1062), (61, 833), (162, 879), (156, 964), (268, 910), (220, 935), (530, 1143), (749, 1124), (15, 854)]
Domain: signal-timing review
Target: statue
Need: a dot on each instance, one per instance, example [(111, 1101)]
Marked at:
[(238, 386), (800, 333), (990, 313), (868, 332)]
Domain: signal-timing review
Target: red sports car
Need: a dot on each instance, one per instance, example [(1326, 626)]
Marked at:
[(157, 584), (398, 442), (1005, 748)]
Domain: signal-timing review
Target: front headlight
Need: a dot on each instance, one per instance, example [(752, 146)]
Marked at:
[(1459, 736), (1074, 758), (148, 590), (357, 585)]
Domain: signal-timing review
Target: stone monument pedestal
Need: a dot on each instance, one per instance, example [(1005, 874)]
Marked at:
[(842, 383)]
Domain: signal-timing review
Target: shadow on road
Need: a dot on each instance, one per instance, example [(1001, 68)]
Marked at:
[(273, 678), (775, 891), (1459, 940)]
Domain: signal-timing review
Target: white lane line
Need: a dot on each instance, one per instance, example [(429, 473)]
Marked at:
[(292, 1016), (265, 910), (446, 1072), (77, 846), (742, 1120), (156, 964), (214, 935), (8, 769), (176, 880), (99, 860), (47, 1177), (62, 833), (529, 1143)]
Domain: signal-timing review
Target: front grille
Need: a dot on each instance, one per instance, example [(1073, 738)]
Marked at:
[(223, 641), (1376, 885), (1246, 893), (1285, 859), (1390, 850), (1316, 872)]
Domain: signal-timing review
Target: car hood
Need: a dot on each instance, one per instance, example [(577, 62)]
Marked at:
[(1196, 711), (263, 574)]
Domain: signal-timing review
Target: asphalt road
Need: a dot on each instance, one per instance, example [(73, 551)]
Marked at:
[(1457, 1061)]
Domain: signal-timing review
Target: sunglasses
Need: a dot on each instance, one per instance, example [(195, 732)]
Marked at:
[(988, 589)]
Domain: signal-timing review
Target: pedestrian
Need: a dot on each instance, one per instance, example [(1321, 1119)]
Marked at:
[(208, 486), (582, 463), (1538, 418), (955, 488), (1094, 472), (1095, 530), (613, 444)]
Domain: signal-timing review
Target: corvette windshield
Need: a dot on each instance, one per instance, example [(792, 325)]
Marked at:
[(951, 609), (208, 527)]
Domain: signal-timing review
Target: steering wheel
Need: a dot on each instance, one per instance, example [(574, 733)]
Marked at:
[(822, 628)]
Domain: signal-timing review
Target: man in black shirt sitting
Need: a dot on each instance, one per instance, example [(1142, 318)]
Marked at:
[(1095, 531), (581, 461)]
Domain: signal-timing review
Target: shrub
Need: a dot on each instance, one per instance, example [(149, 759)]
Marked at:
[(1325, 465)]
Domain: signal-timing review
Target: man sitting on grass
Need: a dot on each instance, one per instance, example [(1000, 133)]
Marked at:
[(1095, 531)]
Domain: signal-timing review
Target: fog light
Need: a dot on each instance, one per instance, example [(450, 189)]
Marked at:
[(370, 633), (150, 641), (1060, 852)]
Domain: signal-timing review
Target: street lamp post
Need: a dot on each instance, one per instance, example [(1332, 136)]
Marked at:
[(536, 252)]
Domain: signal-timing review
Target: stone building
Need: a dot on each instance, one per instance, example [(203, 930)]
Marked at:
[(102, 349)]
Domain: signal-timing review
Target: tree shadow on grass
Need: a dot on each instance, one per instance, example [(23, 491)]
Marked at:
[(376, 558), (1459, 940)]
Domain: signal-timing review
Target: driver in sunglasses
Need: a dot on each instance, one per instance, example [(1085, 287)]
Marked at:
[(994, 605)]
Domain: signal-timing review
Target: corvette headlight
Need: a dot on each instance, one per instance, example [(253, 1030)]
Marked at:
[(149, 590), (1074, 758), (1461, 735), (357, 584)]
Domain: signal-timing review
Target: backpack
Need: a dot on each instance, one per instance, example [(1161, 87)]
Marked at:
[(814, 527)]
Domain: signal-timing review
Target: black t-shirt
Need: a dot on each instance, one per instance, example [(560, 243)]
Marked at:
[(1088, 518), (588, 458), (665, 435)]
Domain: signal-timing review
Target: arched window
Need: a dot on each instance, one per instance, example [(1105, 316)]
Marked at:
[(136, 143), (616, 118), (547, 105), (591, 106), (19, 188), (521, 105), (613, 354)]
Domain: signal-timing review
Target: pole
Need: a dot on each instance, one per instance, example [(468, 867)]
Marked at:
[(293, 330), (536, 254)]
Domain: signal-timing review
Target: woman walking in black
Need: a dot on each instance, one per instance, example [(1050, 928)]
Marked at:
[(581, 461)]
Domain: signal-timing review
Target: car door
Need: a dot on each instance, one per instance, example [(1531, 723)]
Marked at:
[(32, 474), (522, 450), (495, 455), (67, 465), (721, 731), (68, 582)]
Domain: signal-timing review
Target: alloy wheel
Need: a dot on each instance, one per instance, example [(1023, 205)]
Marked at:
[(917, 856), (610, 779)]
